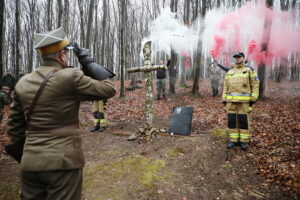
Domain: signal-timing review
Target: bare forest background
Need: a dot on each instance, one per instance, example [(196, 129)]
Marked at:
[(114, 30)]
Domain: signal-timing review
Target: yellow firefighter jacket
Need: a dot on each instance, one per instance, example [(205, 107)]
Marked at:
[(241, 85)]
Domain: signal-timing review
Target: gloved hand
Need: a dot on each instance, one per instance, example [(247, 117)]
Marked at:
[(84, 55), (89, 66), (224, 102), (249, 109), (251, 103)]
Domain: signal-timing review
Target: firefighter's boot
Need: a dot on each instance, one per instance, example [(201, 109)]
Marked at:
[(158, 97), (244, 146), (232, 144), (95, 127), (101, 128), (96, 122)]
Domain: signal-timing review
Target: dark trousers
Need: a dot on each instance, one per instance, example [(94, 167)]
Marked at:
[(51, 185), (214, 87)]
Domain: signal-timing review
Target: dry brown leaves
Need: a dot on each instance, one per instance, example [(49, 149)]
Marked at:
[(275, 124)]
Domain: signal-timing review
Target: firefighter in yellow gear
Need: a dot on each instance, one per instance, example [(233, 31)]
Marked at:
[(241, 90), (100, 116)]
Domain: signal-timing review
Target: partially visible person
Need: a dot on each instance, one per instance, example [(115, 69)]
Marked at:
[(215, 75), (52, 161), (4, 100), (100, 118), (9, 80), (20, 74), (241, 89), (226, 69), (161, 76)]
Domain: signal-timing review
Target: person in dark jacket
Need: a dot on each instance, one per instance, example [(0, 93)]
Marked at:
[(19, 75), (9, 80), (4, 99), (161, 76), (226, 69)]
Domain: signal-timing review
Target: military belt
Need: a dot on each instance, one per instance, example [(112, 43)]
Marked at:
[(70, 126)]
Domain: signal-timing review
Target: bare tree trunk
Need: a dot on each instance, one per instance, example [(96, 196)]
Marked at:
[(239, 3), (82, 29), (261, 71), (32, 10), (186, 15), (195, 89), (218, 3), (89, 24), (103, 31), (2, 37), (293, 3), (174, 57), (284, 4), (66, 16), (186, 18), (172, 71), (49, 15), (110, 43), (60, 13), (18, 36), (195, 5), (95, 42), (122, 46)]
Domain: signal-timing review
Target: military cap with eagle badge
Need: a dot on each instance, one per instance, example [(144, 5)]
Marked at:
[(51, 41)]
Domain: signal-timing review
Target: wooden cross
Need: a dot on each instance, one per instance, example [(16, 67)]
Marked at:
[(147, 68)]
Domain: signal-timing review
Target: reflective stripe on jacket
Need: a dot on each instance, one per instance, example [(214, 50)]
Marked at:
[(241, 84)]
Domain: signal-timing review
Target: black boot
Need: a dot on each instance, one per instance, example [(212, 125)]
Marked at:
[(158, 97), (232, 144), (95, 128), (101, 128), (244, 146), (164, 96)]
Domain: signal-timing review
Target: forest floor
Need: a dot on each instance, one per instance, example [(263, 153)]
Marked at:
[(186, 168)]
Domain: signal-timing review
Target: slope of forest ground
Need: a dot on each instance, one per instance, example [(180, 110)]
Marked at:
[(184, 168)]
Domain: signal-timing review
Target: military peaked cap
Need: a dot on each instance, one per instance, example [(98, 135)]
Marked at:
[(51, 42)]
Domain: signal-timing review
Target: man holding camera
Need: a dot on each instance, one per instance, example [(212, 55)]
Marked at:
[(46, 107)]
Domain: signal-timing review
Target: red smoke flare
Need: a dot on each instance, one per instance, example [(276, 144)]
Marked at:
[(219, 43), (251, 46)]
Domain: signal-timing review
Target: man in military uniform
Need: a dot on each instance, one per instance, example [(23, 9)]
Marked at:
[(52, 161), (161, 76), (4, 99), (19, 75), (100, 116), (9, 80), (241, 88), (214, 74)]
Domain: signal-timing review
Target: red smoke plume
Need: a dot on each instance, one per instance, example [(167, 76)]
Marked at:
[(248, 28)]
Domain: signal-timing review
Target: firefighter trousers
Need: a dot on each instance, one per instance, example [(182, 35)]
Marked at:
[(99, 112), (238, 122)]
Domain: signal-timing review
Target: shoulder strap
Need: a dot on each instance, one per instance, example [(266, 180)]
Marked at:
[(38, 94)]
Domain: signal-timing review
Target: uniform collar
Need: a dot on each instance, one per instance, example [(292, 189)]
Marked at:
[(240, 65), (52, 63)]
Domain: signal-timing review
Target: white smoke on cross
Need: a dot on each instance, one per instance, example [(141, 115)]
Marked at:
[(168, 32)]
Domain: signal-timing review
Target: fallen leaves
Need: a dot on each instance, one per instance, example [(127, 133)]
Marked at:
[(275, 125)]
